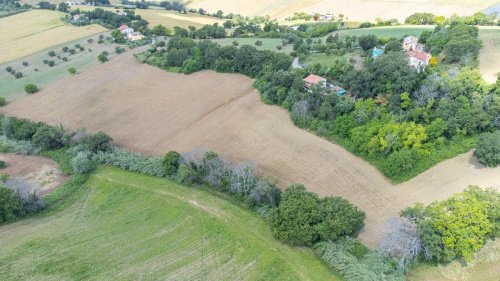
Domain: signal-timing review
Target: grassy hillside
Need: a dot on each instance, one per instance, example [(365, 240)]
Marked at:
[(387, 31), (127, 226), (32, 31)]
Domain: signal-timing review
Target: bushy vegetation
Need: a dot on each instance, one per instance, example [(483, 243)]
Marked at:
[(30, 88), (488, 149), (303, 219), (459, 226), (356, 262), (111, 19)]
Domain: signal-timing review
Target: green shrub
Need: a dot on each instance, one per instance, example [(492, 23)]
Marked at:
[(48, 137), (65, 49), (171, 162), (130, 161), (258, 43), (488, 149), (82, 164), (18, 75), (102, 57), (25, 63), (72, 51), (10, 204), (51, 63), (2, 164), (2, 101), (8, 69), (30, 88), (72, 70), (97, 142), (65, 59), (52, 54)]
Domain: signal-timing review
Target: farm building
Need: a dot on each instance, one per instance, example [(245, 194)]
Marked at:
[(135, 36), (418, 59), (125, 29), (314, 80), (377, 52), (410, 43), (76, 17), (326, 17)]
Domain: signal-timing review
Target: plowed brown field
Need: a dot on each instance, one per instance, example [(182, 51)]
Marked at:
[(152, 111)]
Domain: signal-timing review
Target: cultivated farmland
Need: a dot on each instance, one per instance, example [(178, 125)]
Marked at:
[(126, 226), (357, 10), (167, 18), (152, 111), (32, 31)]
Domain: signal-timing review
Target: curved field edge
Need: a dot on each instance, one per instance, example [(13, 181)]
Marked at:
[(129, 226)]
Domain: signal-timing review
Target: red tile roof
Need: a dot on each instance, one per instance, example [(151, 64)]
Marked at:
[(314, 79), (418, 55), (123, 27)]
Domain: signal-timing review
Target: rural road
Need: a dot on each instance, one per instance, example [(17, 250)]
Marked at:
[(152, 111)]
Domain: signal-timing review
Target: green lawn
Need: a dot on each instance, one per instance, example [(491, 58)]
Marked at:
[(45, 75), (125, 226), (267, 43)]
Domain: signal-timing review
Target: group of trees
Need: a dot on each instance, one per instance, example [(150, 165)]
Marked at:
[(459, 226), (303, 219), (458, 41), (192, 56), (478, 18), (111, 20)]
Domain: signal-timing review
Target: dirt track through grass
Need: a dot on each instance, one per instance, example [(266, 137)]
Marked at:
[(152, 111)]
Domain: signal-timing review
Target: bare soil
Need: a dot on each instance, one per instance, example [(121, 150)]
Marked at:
[(44, 174), (153, 111)]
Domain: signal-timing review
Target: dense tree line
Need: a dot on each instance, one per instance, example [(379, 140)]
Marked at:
[(478, 18), (191, 56)]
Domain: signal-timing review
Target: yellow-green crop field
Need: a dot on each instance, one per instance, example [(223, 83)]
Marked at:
[(32, 31)]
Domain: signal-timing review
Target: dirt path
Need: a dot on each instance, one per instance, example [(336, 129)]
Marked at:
[(152, 111), (44, 174)]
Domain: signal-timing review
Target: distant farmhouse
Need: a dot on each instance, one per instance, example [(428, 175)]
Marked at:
[(312, 80), (72, 3), (416, 52), (124, 29), (135, 36)]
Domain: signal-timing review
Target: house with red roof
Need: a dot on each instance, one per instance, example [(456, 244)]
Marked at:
[(125, 29), (314, 80), (419, 60)]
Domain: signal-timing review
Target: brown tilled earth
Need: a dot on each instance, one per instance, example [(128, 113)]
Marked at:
[(43, 174), (153, 111)]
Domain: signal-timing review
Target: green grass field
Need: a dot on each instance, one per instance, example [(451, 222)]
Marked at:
[(125, 226), (82, 60), (387, 31)]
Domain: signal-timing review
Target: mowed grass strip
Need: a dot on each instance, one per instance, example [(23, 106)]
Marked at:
[(125, 226), (32, 31)]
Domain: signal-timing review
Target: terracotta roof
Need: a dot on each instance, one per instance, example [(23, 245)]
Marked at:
[(418, 55), (123, 27), (314, 79)]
